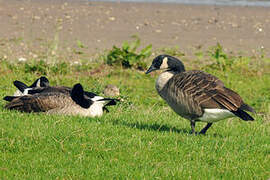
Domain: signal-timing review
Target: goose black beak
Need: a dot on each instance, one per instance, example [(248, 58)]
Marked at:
[(152, 68)]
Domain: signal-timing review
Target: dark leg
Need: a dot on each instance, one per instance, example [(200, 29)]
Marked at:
[(203, 131), (192, 124), (105, 109)]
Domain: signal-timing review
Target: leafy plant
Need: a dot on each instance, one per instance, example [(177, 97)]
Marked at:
[(80, 44), (80, 47), (221, 61), (199, 54), (221, 58), (127, 56)]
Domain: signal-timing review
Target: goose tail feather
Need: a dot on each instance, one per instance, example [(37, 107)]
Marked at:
[(9, 98), (111, 101), (246, 107), (243, 115)]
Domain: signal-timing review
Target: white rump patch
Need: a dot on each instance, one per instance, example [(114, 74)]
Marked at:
[(19, 93), (214, 115)]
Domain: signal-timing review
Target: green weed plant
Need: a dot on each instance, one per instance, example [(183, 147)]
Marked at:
[(127, 55)]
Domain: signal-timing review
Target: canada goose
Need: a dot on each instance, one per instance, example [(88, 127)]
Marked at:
[(41, 85), (75, 103), (196, 95), (23, 88)]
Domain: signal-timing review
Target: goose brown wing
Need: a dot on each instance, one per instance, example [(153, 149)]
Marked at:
[(211, 93), (196, 90), (222, 98), (39, 102), (50, 89), (57, 89)]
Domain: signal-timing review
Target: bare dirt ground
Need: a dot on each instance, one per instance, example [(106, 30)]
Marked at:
[(42, 28)]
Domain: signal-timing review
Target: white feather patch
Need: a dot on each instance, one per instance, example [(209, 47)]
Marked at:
[(19, 93), (38, 83), (162, 80), (96, 109), (96, 98), (164, 64), (214, 115)]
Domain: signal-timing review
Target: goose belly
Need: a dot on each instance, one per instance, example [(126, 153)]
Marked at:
[(209, 115), (214, 115), (180, 110), (95, 110)]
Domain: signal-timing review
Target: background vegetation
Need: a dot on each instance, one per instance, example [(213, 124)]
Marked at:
[(140, 138)]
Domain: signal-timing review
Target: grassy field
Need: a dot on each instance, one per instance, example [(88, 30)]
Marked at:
[(141, 137)]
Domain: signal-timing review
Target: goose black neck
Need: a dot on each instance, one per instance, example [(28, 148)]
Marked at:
[(175, 65)]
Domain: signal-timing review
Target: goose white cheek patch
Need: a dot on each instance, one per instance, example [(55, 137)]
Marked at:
[(164, 64)]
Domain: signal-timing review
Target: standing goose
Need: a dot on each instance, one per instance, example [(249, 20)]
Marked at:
[(75, 103), (196, 95)]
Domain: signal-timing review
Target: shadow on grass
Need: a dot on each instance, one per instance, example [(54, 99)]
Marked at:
[(162, 128), (152, 127)]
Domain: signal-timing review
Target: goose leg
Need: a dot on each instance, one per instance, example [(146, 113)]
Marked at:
[(203, 131), (192, 124), (105, 109)]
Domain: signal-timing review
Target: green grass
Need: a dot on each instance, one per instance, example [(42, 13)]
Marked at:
[(141, 137)]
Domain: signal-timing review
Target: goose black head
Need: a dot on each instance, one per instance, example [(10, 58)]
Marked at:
[(20, 86), (41, 82), (166, 62), (78, 96)]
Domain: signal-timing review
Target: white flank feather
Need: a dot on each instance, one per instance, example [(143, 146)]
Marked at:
[(96, 109), (214, 115), (96, 98), (19, 93)]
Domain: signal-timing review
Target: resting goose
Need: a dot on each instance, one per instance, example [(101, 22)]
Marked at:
[(41, 85), (196, 95), (75, 103), (23, 88)]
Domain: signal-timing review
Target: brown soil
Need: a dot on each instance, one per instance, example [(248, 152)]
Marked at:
[(47, 28)]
